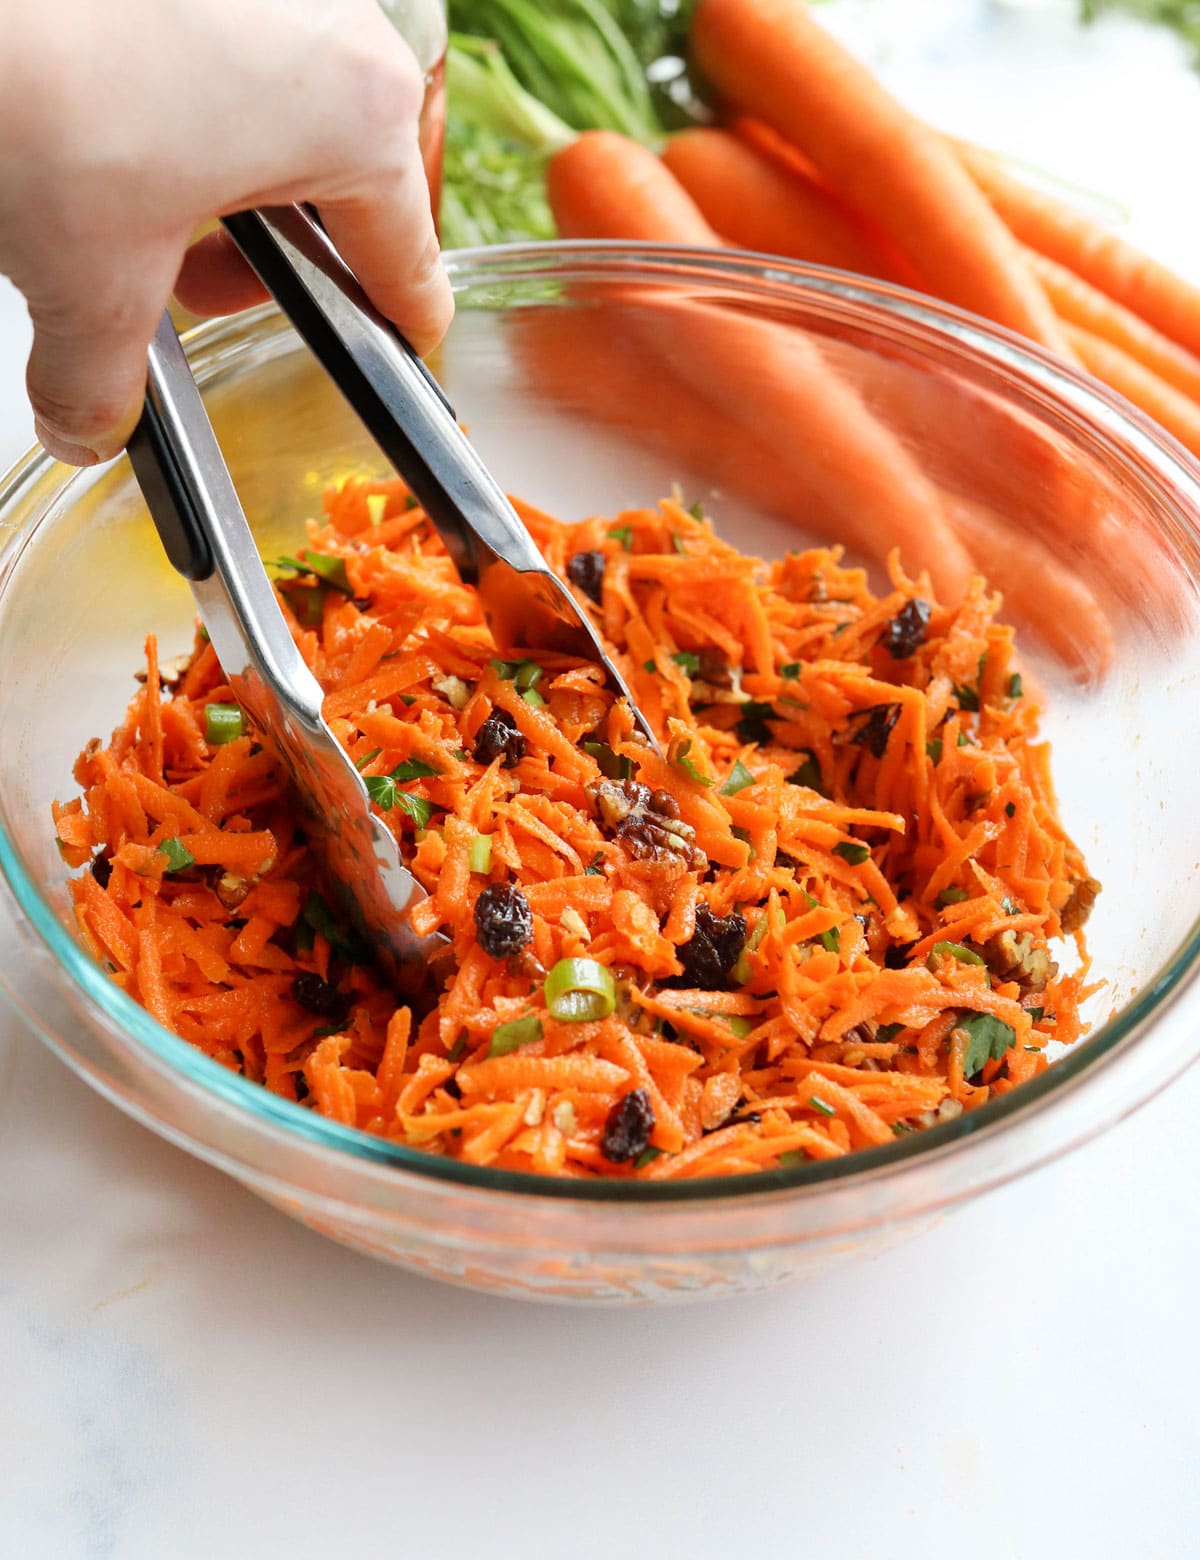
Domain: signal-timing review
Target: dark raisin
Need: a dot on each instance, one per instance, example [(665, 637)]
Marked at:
[(749, 1119), (101, 870), (712, 950), (586, 571), (896, 957), (499, 735), (628, 1127), (503, 920), (318, 996), (876, 727), (752, 727), (788, 863), (905, 633)]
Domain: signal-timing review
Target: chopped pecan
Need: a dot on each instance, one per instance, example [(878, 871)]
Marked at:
[(232, 888), (715, 669), (646, 822), (1075, 912), (1013, 956)]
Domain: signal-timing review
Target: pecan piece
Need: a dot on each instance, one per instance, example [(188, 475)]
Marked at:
[(1013, 956), (1075, 912), (646, 822)]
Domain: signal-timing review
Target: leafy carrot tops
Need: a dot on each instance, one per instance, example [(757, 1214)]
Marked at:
[(826, 915)]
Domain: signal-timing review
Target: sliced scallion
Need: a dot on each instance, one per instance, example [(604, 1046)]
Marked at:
[(479, 853), (580, 991), (223, 723), (952, 950), (513, 1035)]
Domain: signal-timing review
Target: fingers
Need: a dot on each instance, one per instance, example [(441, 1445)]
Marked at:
[(86, 376), (214, 279), (386, 236)]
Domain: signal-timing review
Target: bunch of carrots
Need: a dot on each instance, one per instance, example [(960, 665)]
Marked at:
[(824, 916), (817, 162)]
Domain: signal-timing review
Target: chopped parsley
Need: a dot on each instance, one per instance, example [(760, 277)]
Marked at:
[(988, 1039), (739, 778)]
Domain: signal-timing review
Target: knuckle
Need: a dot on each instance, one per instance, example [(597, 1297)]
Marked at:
[(388, 97)]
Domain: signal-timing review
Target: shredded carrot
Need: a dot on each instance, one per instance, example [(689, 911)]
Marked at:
[(830, 914)]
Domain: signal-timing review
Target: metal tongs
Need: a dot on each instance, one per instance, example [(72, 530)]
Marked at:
[(195, 507)]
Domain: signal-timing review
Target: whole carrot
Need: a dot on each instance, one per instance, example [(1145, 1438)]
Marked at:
[(766, 381), (1124, 374), (1040, 589), (604, 184), (757, 204), (1160, 297), (773, 60), (1079, 303)]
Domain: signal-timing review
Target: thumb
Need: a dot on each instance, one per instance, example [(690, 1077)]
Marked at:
[(86, 377)]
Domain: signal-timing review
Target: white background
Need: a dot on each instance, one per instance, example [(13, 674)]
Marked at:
[(185, 1374)]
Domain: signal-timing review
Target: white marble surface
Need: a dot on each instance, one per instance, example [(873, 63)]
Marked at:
[(185, 1374)]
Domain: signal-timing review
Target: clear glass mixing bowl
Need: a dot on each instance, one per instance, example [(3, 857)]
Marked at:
[(593, 378)]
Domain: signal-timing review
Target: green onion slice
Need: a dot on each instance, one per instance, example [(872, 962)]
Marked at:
[(479, 853), (580, 991), (223, 723), (952, 950), (513, 1035)]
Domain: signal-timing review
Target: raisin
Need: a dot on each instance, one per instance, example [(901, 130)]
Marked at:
[(101, 870), (503, 920), (586, 571), (896, 956), (318, 996), (905, 633), (712, 950), (628, 1127), (499, 735), (876, 727)]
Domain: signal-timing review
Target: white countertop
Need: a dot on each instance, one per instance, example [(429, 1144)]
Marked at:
[(185, 1374)]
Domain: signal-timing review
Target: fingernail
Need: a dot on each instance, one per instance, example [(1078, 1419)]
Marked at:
[(63, 449)]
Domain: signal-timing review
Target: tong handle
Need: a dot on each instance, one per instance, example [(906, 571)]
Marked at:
[(159, 464), (199, 517), (397, 398)]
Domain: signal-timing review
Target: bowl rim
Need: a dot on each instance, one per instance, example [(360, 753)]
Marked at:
[(1106, 416)]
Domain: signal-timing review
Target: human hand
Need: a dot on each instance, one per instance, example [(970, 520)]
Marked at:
[(124, 127)]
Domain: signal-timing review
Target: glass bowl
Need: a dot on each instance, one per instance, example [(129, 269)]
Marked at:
[(594, 378)]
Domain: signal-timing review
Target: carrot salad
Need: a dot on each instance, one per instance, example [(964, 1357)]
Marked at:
[(829, 914)]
